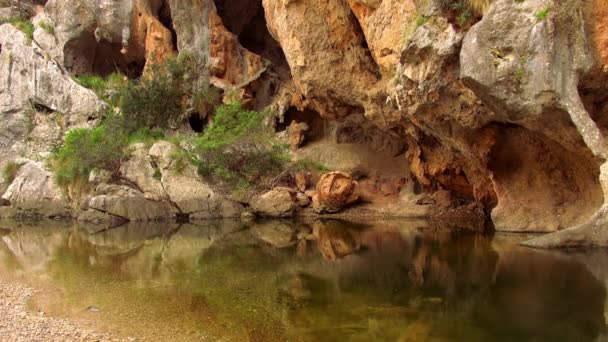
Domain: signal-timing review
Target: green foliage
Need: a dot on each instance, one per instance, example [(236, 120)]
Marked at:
[(24, 26), (542, 14), (93, 82), (232, 124), (153, 101), (206, 100), (238, 148), (48, 27), (464, 11), (146, 135), (420, 20), (108, 88), (309, 165), (86, 149), (161, 98), (9, 172)]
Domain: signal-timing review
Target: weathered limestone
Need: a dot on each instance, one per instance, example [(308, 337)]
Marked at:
[(33, 193), (323, 46), (200, 31), (278, 202), (527, 70), (38, 99), (133, 208)]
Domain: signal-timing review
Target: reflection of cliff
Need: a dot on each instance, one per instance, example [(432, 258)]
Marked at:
[(30, 248), (434, 284), (377, 281)]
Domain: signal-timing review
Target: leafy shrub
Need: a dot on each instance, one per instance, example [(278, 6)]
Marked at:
[(48, 27), (162, 97), (542, 14), (108, 89), (154, 101), (86, 149), (464, 12), (9, 172), (24, 26), (237, 148)]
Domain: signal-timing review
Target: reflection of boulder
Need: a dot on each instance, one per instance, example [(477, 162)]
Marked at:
[(189, 242), (335, 239), (298, 289), (279, 234)]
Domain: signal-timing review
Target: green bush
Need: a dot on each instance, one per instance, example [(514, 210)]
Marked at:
[(542, 14), (48, 27), (24, 26), (163, 96), (237, 148), (86, 149), (109, 88), (154, 101), (9, 172)]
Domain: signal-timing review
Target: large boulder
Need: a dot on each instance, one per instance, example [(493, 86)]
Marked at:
[(278, 202), (335, 191), (33, 193), (133, 208), (185, 188)]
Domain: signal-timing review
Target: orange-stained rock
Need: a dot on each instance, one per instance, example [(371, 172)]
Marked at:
[(384, 24), (232, 66), (302, 179), (297, 134), (335, 190), (597, 15)]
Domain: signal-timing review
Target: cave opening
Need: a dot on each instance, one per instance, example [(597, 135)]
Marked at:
[(85, 55), (197, 123), (165, 18), (316, 124), (246, 20)]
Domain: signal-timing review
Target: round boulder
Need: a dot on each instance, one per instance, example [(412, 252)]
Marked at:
[(335, 190)]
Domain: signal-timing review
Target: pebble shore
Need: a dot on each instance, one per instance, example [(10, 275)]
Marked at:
[(17, 324)]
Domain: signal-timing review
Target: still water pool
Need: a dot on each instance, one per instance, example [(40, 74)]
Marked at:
[(316, 281)]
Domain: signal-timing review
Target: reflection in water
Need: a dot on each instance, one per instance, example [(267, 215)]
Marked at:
[(325, 280)]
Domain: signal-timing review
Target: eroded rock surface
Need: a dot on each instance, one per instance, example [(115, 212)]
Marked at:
[(38, 99)]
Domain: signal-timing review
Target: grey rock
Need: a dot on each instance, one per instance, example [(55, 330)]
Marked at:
[(275, 203)]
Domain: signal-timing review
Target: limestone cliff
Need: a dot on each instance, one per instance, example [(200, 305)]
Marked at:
[(495, 106)]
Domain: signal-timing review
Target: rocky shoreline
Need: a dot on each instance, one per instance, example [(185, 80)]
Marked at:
[(17, 324)]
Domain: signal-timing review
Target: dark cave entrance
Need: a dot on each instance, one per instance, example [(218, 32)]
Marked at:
[(84, 55), (247, 21), (317, 125), (165, 18), (197, 123)]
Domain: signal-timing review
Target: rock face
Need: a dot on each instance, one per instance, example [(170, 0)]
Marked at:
[(507, 113), (38, 99), (335, 190)]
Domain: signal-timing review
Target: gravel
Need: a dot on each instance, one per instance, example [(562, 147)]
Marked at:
[(17, 324)]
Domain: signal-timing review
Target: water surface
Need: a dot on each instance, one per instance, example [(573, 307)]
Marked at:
[(316, 281)]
